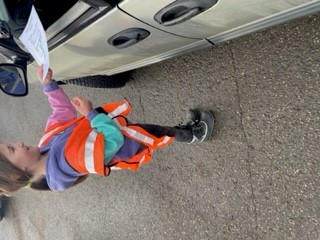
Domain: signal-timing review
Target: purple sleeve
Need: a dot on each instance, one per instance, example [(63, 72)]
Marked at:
[(62, 109), (92, 114)]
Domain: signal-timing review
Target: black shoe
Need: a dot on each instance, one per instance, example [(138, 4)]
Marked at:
[(202, 127), (193, 116)]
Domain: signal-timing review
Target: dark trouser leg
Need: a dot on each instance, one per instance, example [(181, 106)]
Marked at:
[(180, 134)]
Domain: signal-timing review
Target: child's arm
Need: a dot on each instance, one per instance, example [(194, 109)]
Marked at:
[(102, 123), (62, 109)]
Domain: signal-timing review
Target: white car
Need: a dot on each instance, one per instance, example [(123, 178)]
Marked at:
[(98, 42)]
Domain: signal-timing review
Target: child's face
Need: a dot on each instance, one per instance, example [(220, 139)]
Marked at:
[(20, 155)]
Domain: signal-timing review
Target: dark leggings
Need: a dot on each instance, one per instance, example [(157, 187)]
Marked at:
[(180, 134)]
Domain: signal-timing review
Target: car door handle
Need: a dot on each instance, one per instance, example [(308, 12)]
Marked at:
[(171, 18), (124, 42), (128, 37), (182, 10)]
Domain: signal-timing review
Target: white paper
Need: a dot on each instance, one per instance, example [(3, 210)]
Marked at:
[(35, 41)]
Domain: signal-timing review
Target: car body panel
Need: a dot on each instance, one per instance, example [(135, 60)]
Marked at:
[(273, 20), (224, 16), (89, 53)]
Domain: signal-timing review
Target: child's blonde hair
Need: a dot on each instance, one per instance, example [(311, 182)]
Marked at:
[(11, 177)]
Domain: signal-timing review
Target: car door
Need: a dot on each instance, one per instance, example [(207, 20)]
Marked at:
[(110, 43), (114, 43), (218, 20)]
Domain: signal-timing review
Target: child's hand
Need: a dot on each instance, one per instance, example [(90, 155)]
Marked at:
[(83, 105), (48, 78)]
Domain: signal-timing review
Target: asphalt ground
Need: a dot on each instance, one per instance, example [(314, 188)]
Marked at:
[(258, 178)]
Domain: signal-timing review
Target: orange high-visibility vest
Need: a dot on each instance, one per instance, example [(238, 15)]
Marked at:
[(84, 150)]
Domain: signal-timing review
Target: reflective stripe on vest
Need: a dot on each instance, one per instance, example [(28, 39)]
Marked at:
[(55, 129), (120, 110), (49, 134), (89, 152), (134, 134), (141, 135), (134, 163)]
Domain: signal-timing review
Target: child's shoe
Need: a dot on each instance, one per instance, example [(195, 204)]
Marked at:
[(193, 116), (202, 123)]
